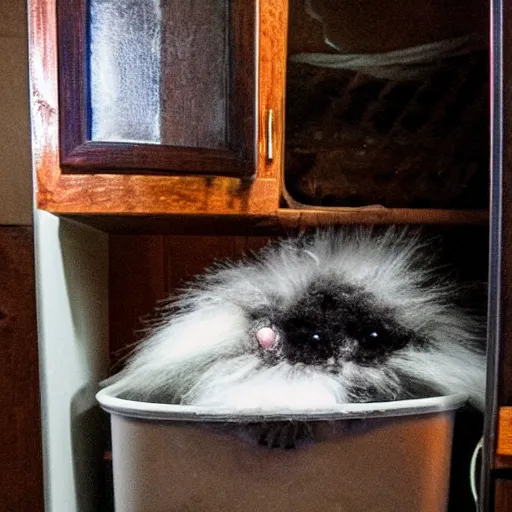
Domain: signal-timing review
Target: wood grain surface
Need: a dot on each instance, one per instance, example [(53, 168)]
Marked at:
[(21, 471), (503, 495), (118, 193)]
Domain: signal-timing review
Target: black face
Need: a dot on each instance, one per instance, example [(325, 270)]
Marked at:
[(332, 323)]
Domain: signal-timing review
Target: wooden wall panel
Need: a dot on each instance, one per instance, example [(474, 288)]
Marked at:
[(188, 256), (146, 269), (21, 473), (503, 496), (137, 280)]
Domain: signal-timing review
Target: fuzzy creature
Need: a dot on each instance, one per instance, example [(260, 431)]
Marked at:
[(312, 322)]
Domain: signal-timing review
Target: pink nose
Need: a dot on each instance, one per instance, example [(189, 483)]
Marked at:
[(266, 337)]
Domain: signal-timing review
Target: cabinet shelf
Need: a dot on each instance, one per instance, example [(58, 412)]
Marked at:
[(380, 215)]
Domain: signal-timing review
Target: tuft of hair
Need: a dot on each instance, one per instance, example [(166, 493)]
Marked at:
[(202, 347)]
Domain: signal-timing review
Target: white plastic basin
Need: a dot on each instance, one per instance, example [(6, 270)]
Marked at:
[(374, 457)]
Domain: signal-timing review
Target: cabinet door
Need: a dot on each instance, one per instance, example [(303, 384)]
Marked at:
[(148, 86), (207, 149)]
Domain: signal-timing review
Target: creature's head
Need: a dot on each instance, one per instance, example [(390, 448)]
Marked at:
[(330, 324), (316, 321)]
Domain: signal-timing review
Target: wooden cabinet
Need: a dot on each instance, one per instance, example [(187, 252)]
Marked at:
[(222, 149), (90, 178)]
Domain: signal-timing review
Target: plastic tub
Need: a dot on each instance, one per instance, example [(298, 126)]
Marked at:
[(375, 457)]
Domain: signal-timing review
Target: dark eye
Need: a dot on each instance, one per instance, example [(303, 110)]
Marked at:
[(374, 336), (316, 337)]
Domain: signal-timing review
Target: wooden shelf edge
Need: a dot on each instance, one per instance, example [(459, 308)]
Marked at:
[(283, 220), (294, 218), (180, 224)]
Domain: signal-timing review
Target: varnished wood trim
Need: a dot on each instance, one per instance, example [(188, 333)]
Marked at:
[(179, 224), (242, 114), (273, 30), (207, 224), (291, 218), (117, 194), (504, 439), (132, 158), (136, 194), (73, 91)]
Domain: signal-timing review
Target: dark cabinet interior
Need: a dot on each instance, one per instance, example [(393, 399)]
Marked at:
[(399, 120)]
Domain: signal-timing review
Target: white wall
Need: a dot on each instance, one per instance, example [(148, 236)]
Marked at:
[(15, 163), (72, 279)]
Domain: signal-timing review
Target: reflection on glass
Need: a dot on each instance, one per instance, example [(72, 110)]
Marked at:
[(159, 71), (125, 62), (385, 105)]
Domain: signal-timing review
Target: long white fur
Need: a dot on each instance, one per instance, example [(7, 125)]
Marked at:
[(205, 354)]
